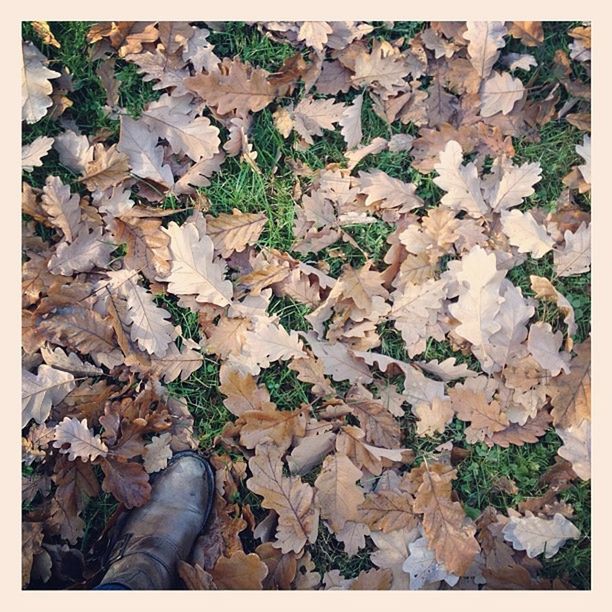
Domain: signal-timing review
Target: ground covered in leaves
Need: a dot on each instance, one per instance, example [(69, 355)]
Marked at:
[(349, 261)]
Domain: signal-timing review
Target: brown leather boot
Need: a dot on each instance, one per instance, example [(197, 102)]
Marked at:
[(154, 537)]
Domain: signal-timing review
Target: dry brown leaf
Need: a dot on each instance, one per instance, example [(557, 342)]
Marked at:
[(298, 521), (388, 511), (35, 85), (338, 495), (233, 233), (235, 87), (571, 393), (449, 532)]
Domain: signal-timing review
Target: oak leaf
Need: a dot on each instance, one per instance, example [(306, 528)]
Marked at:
[(194, 271), (41, 392), (575, 255), (499, 93), (537, 535), (35, 85), (423, 568), (388, 511), (241, 391), (530, 33), (383, 67), (485, 39), (32, 154), (392, 550), (351, 123), (526, 233), (311, 116), (170, 118), (235, 87), (233, 233), (82, 442), (139, 143), (157, 453), (544, 346), (63, 208), (338, 494), (449, 533), (240, 572), (512, 184), (298, 521), (107, 168), (127, 481), (485, 418), (388, 192), (577, 447), (544, 289), (479, 300), (463, 187), (88, 249)]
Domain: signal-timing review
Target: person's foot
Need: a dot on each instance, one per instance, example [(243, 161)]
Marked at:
[(156, 536)]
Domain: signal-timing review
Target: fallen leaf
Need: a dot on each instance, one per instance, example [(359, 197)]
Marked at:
[(536, 535), (35, 84), (193, 269), (82, 442)]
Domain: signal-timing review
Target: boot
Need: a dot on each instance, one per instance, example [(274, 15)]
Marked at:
[(149, 543)]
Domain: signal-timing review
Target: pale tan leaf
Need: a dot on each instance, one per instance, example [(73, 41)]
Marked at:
[(480, 300), (544, 346), (311, 116), (383, 67), (40, 392), (32, 154), (433, 419), (70, 362), (391, 553), (388, 192), (388, 511), (107, 168), (575, 256), (298, 521), (463, 187), (89, 249), (338, 360), (149, 325), (241, 391), (351, 123), (74, 150), (544, 289), (171, 118), (571, 393), (486, 38), (449, 532), (422, 567), (139, 143), (235, 87), (63, 208), (194, 271), (513, 184), (157, 453), (337, 492), (234, 232), (82, 442), (314, 33), (35, 86), (526, 233), (499, 93), (538, 535), (577, 448)]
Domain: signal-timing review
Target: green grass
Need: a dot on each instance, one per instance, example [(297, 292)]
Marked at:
[(271, 192)]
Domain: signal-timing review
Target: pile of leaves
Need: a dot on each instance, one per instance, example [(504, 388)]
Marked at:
[(133, 227)]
